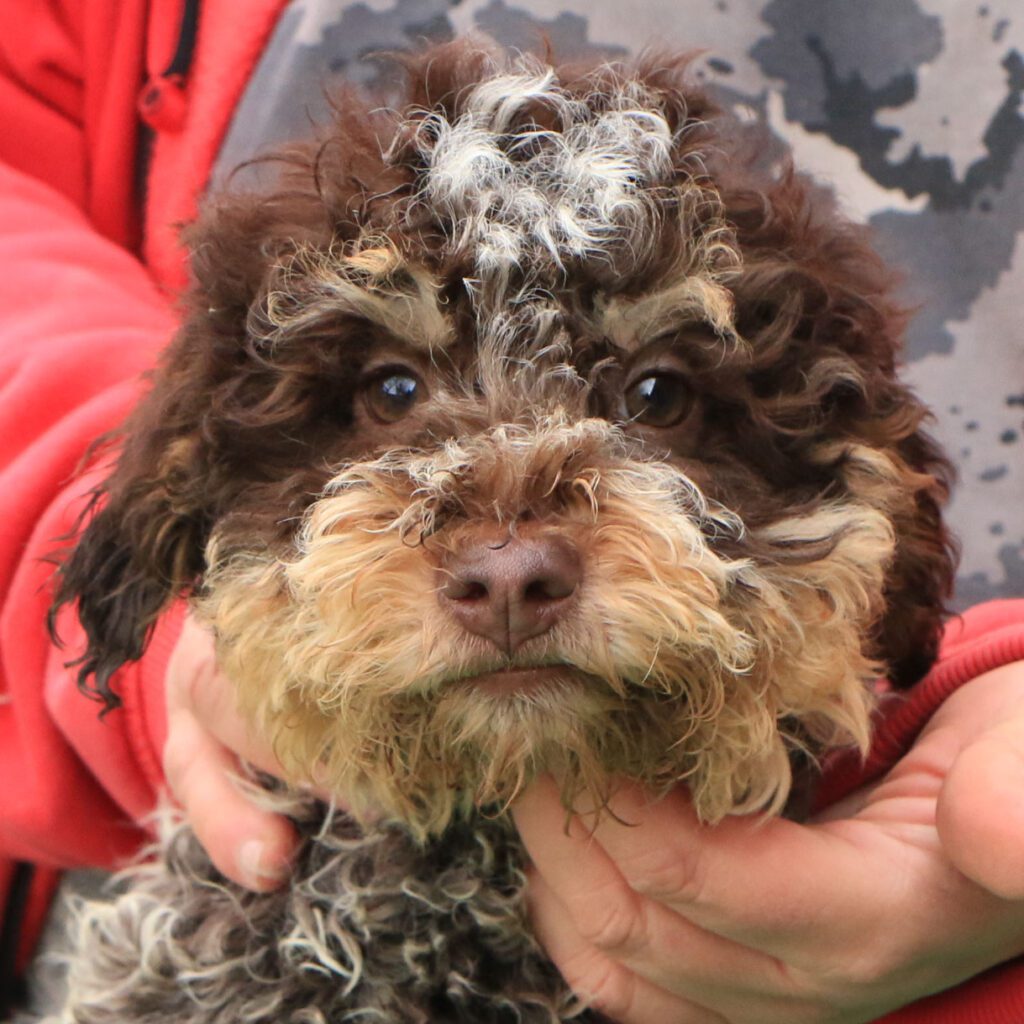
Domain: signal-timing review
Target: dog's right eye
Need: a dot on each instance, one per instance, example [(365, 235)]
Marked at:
[(392, 393), (658, 399)]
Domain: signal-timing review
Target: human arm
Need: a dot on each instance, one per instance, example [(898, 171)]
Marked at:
[(80, 319), (908, 887)]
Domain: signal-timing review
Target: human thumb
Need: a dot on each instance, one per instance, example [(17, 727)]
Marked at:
[(980, 813)]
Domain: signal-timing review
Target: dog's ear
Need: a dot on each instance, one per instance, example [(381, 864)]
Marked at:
[(142, 545), (145, 529), (920, 582), (826, 330), (204, 435)]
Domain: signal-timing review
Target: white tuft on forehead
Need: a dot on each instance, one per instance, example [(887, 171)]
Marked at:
[(525, 205), (518, 195)]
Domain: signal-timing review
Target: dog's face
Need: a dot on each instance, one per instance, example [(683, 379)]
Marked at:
[(532, 429)]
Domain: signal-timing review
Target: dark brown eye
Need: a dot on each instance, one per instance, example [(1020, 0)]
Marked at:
[(658, 399), (392, 393)]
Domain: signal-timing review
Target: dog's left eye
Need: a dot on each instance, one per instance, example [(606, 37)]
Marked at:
[(658, 399), (392, 393)]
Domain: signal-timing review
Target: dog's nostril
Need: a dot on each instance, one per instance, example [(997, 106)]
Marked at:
[(465, 590), (550, 588)]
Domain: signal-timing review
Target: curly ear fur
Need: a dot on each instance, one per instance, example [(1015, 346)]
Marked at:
[(142, 545), (921, 580), (146, 526), (210, 429), (813, 292)]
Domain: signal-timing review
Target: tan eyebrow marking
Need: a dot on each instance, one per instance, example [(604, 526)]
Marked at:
[(633, 323), (373, 282)]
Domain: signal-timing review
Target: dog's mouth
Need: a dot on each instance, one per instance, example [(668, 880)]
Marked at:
[(521, 682)]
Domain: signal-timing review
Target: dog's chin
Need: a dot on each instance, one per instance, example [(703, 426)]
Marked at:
[(514, 683), (524, 714), (478, 740)]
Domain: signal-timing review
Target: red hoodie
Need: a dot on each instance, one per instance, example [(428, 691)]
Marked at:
[(85, 310)]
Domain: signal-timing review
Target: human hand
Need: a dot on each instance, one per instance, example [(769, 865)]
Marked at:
[(907, 888), (206, 739)]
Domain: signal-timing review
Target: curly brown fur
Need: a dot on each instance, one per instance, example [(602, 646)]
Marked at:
[(758, 541), (373, 927)]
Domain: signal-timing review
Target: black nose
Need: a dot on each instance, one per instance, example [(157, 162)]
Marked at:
[(512, 589)]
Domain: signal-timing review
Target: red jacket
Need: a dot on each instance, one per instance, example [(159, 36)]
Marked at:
[(85, 309)]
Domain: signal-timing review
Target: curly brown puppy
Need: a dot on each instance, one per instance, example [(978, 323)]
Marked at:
[(532, 427)]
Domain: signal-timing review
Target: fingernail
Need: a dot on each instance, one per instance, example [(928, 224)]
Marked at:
[(253, 866)]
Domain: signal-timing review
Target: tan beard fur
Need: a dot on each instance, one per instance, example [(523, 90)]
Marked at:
[(684, 666)]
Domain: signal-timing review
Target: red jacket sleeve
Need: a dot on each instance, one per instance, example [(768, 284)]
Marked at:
[(79, 322), (981, 639), (70, 73), (80, 319)]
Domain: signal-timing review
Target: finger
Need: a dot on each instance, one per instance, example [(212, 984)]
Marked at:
[(609, 914), (980, 816), (249, 845), (763, 884), (196, 685), (599, 980), (751, 879)]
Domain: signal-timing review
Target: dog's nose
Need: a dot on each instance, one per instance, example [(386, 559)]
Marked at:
[(511, 589)]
